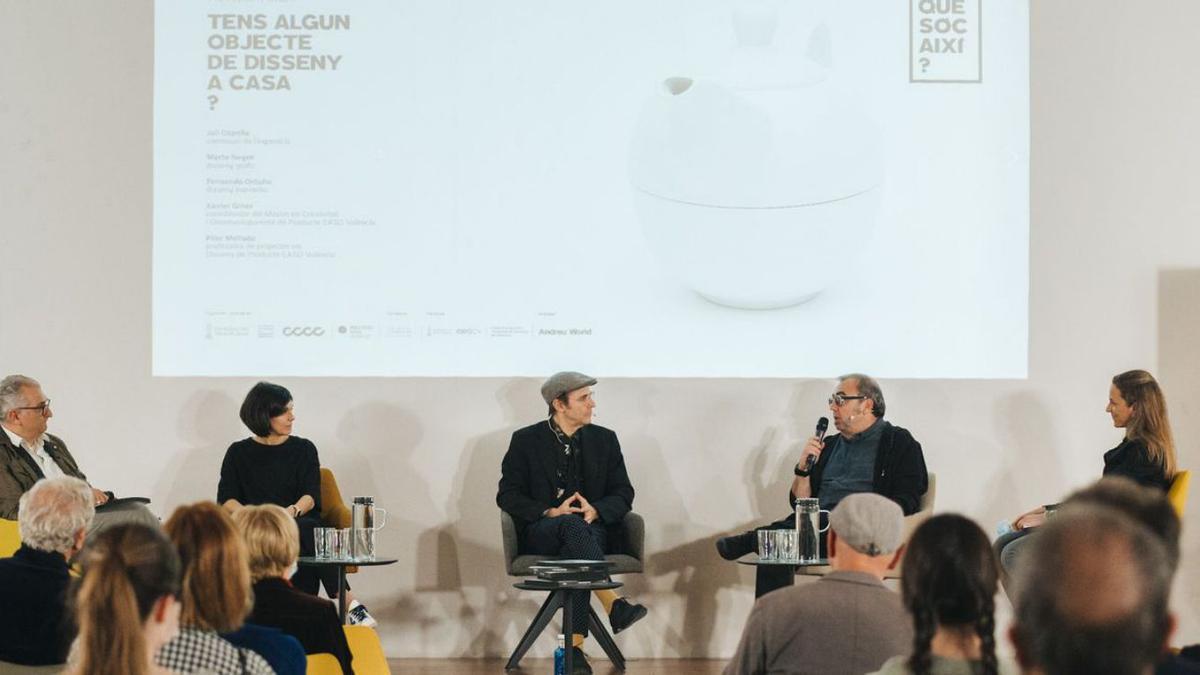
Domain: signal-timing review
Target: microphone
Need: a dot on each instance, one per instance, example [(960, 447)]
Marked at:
[(822, 427)]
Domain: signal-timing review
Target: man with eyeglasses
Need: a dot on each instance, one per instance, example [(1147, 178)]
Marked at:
[(563, 481), (868, 454), (28, 454)]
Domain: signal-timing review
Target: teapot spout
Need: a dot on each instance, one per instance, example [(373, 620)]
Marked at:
[(677, 85)]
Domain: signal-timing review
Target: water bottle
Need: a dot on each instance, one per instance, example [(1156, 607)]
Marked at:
[(560, 656)]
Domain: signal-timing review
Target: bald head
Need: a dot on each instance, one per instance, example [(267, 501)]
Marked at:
[(1091, 596)]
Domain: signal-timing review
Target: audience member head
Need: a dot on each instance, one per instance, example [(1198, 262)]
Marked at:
[(24, 409), (1144, 505), (267, 410), (272, 540), (866, 533), (949, 584), (1137, 404), (125, 603), (216, 580), (1091, 596), (54, 515)]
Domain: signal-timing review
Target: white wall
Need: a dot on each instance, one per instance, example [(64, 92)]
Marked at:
[(1115, 285)]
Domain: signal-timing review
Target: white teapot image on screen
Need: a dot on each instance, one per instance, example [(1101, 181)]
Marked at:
[(757, 185)]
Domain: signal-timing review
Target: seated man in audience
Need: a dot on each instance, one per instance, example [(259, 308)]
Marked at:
[(563, 481), (1091, 596), (868, 454), (846, 622), (28, 454), (1150, 508), (34, 626)]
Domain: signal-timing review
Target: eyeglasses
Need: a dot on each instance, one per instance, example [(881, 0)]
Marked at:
[(43, 407), (839, 399)]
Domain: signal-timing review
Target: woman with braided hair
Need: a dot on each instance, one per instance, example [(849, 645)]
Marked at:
[(949, 588)]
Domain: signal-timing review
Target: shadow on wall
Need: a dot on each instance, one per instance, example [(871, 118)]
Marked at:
[(210, 423), (377, 442), (1022, 427), (1179, 365), (461, 564)]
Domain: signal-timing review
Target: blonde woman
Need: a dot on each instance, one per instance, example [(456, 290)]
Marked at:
[(273, 545), (1145, 455)]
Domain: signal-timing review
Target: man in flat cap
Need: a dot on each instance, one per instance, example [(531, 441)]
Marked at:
[(845, 622), (564, 483)]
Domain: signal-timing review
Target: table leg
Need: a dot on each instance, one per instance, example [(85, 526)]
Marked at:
[(544, 615), (568, 633), (341, 592)]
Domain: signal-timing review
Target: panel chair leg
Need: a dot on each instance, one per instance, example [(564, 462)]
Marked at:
[(549, 607), (606, 641)]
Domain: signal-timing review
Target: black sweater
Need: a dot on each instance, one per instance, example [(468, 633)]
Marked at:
[(253, 473)]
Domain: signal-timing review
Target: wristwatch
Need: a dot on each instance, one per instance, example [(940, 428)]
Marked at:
[(800, 472)]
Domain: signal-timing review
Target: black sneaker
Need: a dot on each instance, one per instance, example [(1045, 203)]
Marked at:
[(624, 614), (738, 545), (579, 664)]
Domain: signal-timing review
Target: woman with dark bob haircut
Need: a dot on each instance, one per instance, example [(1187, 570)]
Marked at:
[(1146, 454), (274, 467), (948, 586)]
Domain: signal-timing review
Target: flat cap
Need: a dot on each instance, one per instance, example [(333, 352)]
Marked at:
[(560, 383), (869, 523)]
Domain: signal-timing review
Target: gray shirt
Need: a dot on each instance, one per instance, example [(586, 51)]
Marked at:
[(845, 623), (851, 466)]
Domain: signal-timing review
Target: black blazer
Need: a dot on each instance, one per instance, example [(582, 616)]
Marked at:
[(311, 620), (1132, 460), (528, 480)]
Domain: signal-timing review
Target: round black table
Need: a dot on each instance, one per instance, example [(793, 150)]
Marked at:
[(561, 594), (342, 564)]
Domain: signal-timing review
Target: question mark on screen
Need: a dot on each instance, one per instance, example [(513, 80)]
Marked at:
[(924, 61), (212, 100)]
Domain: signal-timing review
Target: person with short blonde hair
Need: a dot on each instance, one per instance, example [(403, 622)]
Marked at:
[(271, 539)]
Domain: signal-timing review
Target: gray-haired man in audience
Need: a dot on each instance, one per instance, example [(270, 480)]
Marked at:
[(1091, 596), (54, 516), (847, 621), (28, 454)]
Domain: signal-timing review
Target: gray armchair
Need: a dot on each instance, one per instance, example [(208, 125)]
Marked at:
[(633, 532)]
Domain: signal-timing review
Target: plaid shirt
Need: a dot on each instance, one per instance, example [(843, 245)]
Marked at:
[(196, 651)]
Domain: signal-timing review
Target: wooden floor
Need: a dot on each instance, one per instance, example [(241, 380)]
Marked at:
[(600, 666)]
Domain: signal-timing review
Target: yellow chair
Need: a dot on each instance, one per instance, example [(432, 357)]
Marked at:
[(367, 651), (1178, 493), (10, 538), (323, 664), (334, 512)]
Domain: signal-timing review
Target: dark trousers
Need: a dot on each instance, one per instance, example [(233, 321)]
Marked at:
[(769, 578), (569, 537), (310, 579)]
